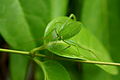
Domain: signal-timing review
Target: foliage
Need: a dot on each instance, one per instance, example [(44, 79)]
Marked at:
[(65, 38)]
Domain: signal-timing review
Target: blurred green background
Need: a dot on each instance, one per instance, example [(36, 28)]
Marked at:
[(28, 19)]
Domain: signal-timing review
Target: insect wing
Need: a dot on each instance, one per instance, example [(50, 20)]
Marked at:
[(50, 29), (70, 29)]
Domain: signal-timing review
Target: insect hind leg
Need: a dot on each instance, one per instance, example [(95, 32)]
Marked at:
[(69, 45)]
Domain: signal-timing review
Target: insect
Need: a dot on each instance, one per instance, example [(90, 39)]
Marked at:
[(62, 27), (67, 29)]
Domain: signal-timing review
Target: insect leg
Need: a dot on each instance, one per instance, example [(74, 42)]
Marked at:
[(89, 50), (58, 36), (69, 45)]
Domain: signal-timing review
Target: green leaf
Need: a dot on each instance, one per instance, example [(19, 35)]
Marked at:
[(87, 50), (41, 13), (15, 30), (53, 70), (96, 15), (36, 17), (58, 8)]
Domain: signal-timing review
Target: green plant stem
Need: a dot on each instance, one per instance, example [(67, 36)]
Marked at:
[(14, 51), (59, 58), (20, 52), (98, 62), (42, 66), (33, 51)]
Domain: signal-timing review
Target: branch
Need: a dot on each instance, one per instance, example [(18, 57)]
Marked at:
[(59, 58)]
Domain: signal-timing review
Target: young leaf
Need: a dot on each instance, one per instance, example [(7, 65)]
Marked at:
[(53, 70)]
